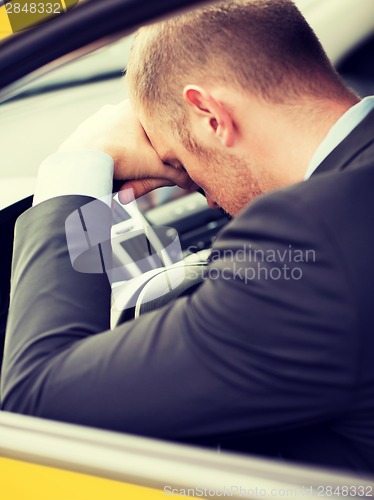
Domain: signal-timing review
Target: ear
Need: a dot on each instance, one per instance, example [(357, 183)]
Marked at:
[(215, 115)]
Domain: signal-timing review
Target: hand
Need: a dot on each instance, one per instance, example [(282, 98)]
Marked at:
[(116, 131)]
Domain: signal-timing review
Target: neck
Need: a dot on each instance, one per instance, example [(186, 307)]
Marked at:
[(284, 138)]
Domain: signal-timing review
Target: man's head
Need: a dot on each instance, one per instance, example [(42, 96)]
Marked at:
[(221, 90)]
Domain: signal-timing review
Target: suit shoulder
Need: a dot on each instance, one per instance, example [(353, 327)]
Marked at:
[(318, 197)]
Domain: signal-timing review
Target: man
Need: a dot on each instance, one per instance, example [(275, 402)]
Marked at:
[(273, 353)]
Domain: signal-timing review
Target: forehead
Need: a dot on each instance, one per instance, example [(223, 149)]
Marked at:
[(161, 137)]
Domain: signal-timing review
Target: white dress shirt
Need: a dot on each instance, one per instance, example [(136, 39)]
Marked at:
[(90, 173), (339, 131), (81, 172)]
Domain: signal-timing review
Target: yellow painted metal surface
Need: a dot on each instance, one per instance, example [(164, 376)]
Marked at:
[(24, 14), (5, 29), (24, 481)]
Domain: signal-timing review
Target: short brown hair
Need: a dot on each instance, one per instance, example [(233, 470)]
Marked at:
[(261, 46)]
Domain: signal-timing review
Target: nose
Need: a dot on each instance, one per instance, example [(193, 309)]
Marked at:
[(211, 202)]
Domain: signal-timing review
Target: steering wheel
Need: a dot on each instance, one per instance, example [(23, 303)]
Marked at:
[(156, 291)]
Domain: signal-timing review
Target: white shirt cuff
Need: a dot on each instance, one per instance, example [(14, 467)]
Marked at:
[(81, 172)]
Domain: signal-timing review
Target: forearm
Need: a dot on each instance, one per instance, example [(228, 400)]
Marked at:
[(52, 305)]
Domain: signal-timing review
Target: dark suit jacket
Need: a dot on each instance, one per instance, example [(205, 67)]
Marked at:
[(256, 359)]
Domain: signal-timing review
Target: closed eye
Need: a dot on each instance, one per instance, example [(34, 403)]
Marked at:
[(173, 163)]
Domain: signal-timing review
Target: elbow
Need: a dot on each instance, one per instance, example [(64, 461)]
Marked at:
[(20, 396)]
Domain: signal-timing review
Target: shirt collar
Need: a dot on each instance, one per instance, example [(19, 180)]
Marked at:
[(339, 131)]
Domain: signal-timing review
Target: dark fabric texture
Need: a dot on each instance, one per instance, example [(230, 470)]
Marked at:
[(259, 365)]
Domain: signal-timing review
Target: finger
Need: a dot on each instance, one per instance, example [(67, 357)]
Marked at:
[(178, 176), (139, 187)]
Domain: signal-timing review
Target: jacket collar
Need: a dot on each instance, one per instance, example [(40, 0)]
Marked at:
[(351, 147)]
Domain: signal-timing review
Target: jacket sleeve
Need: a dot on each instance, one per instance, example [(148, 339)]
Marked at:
[(265, 344)]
